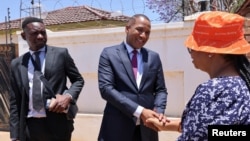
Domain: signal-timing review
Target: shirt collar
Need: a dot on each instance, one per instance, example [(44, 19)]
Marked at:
[(130, 49), (41, 49)]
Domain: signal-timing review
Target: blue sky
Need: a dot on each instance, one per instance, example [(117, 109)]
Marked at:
[(126, 7)]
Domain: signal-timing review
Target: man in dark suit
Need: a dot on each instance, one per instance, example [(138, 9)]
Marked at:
[(133, 87), (47, 123)]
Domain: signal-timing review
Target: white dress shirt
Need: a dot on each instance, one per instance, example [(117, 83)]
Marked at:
[(32, 112), (139, 109)]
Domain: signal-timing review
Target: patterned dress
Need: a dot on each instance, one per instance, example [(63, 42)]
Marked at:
[(219, 101)]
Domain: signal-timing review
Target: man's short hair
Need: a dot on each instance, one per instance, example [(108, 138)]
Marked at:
[(132, 19), (30, 20)]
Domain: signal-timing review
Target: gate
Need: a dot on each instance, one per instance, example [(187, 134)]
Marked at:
[(7, 53)]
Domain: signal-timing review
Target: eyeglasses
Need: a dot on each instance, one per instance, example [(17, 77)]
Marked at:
[(189, 50)]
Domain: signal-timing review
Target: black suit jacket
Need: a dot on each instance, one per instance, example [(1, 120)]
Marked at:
[(58, 67), (118, 87)]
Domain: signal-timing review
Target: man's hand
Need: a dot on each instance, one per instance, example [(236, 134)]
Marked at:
[(60, 103), (163, 119), (147, 113)]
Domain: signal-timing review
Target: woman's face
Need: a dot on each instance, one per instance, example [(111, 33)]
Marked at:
[(201, 60)]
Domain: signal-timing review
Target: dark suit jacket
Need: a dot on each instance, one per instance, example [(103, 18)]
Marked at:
[(58, 67), (118, 87)]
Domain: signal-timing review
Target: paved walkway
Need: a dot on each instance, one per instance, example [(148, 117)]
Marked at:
[(87, 128), (164, 136), (4, 136)]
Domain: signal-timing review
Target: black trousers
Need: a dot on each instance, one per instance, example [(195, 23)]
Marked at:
[(137, 133), (38, 129)]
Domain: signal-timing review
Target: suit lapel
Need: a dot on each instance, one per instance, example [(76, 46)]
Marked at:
[(145, 66), (49, 61), (123, 53), (24, 71)]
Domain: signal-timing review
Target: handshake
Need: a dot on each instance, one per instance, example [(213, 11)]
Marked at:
[(171, 125), (159, 122)]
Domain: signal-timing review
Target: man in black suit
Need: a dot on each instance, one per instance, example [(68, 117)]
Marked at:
[(47, 123), (133, 87)]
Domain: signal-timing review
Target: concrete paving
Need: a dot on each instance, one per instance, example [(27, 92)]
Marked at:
[(87, 128), (4, 136), (164, 136)]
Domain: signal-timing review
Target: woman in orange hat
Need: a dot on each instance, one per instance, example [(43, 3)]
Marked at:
[(217, 47)]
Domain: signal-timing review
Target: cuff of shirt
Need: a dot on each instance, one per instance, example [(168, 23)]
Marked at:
[(69, 95), (138, 111)]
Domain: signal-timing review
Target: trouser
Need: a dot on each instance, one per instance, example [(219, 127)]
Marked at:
[(38, 129), (137, 133)]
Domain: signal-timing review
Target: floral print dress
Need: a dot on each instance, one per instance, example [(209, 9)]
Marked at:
[(219, 101)]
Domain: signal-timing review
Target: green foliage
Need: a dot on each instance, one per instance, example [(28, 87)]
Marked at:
[(236, 6)]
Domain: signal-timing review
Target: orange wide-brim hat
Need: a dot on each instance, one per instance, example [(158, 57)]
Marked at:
[(218, 32)]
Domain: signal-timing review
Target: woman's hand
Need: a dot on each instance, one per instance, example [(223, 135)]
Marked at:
[(161, 125)]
